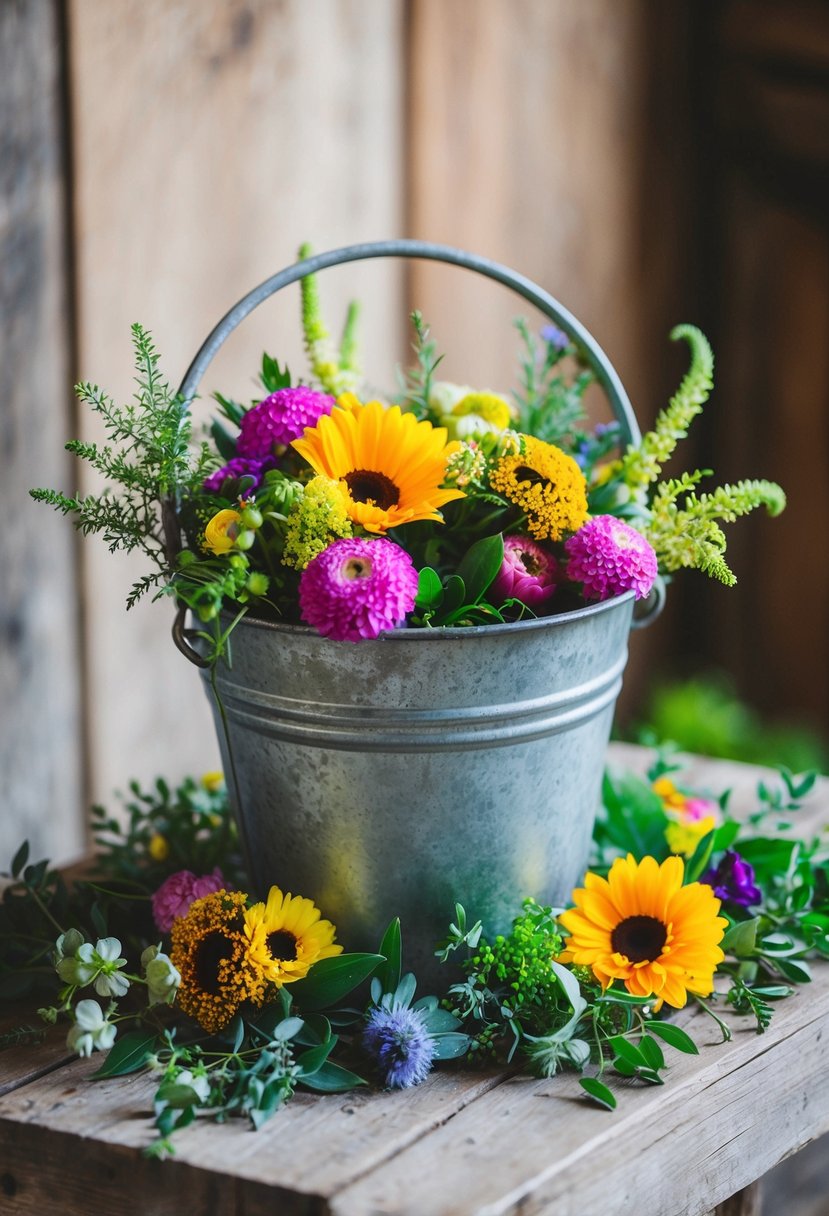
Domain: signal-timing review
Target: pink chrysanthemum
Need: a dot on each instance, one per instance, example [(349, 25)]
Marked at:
[(357, 588), (609, 557), (175, 895), (528, 573), (279, 419), (231, 473)]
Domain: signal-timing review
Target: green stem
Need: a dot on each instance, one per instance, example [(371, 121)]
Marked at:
[(724, 1028)]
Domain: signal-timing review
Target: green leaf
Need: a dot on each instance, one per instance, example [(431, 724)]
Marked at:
[(225, 443), (741, 938), (674, 1036), (331, 979), (332, 1078), (652, 1052), (288, 1028), (129, 1054), (429, 589), (312, 1060), (274, 377), (627, 1052), (598, 1092), (20, 858), (725, 835), (451, 1046), (700, 859), (793, 969), (454, 595), (175, 1096), (480, 565), (391, 949)]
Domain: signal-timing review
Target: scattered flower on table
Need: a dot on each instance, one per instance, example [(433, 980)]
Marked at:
[(400, 1045), (175, 895), (91, 1029), (640, 925), (732, 881), (287, 935), (691, 817)]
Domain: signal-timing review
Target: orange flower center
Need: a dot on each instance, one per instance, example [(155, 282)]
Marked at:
[(640, 938)]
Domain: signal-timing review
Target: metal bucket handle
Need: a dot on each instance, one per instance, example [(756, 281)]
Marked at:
[(597, 360)]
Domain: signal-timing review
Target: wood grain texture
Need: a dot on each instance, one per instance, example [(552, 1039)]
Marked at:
[(211, 139), (40, 666)]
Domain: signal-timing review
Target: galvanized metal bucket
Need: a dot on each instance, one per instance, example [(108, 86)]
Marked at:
[(392, 777)]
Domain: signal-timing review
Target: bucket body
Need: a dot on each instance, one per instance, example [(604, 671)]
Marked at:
[(392, 777)]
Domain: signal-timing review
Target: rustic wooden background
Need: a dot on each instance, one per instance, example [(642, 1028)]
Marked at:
[(648, 163)]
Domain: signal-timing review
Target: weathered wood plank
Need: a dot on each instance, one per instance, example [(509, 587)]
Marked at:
[(20, 1065), (41, 740), (210, 140), (692, 1143)]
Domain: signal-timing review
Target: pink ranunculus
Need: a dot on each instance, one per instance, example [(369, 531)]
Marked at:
[(528, 573), (175, 895)]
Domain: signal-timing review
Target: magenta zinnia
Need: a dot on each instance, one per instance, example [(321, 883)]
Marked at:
[(609, 557), (279, 419), (357, 588)]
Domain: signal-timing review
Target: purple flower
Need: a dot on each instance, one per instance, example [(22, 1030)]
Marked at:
[(357, 588), (175, 895), (528, 573), (609, 557), (400, 1045), (556, 337), (279, 419), (733, 881), (234, 470)]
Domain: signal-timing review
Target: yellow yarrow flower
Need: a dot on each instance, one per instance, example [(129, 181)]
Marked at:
[(317, 518), (546, 484), (158, 847)]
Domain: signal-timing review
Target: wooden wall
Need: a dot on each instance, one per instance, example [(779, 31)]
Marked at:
[(201, 141)]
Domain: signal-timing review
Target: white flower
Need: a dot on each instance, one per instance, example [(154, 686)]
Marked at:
[(198, 1083), (91, 1029), (444, 396), (162, 977)]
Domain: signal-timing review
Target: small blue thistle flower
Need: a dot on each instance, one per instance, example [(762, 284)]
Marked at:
[(555, 337), (400, 1044)]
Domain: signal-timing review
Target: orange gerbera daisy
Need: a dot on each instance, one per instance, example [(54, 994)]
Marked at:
[(390, 465), (640, 925)]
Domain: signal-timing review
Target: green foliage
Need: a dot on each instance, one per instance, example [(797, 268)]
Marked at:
[(642, 464), (704, 716), (146, 462), (418, 380), (336, 370), (550, 401)]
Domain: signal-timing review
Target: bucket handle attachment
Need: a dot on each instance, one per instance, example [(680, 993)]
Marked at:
[(550, 307)]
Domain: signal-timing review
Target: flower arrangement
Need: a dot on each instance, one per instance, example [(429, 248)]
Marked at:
[(447, 505), (235, 1003)]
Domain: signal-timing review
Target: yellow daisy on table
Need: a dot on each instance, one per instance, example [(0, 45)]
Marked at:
[(546, 484), (640, 925), (390, 465), (286, 935)]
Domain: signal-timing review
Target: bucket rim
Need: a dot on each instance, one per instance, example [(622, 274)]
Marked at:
[(451, 632)]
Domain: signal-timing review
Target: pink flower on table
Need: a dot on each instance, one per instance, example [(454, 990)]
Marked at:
[(175, 895)]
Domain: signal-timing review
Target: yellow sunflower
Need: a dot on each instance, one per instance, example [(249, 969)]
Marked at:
[(546, 484), (390, 465), (640, 925), (210, 951), (286, 935)]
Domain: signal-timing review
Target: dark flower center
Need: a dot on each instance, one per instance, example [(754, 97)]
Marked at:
[(525, 473), (282, 945), (530, 563), (212, 950), (639, 938), (357, 567), (366, 486)]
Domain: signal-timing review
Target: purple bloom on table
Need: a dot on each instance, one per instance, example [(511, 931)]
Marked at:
[(400, 1045), (608, 557), (224, 481), (555, 337), (280, 419), (528, 573), (356, 589), (733, 881)]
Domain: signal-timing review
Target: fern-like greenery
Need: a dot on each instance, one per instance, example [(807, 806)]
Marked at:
[(683, 526), (147, 463)]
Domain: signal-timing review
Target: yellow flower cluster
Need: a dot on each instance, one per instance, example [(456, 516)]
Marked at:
[(318, 517), (547, 485), (228, 953)]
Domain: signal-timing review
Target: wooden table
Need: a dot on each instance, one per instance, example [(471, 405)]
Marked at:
[(463, 1142)]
